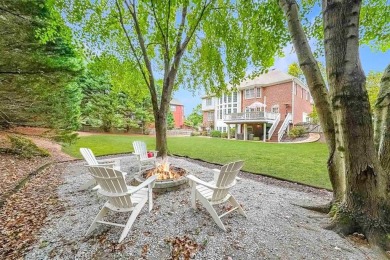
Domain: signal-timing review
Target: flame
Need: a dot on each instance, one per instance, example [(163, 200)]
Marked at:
[(163, 171)]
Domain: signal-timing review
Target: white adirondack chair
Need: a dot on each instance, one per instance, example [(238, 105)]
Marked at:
[(121, 198), (142, 154), (91, 160), (217, 191)]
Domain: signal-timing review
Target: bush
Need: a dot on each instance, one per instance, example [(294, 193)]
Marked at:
[(25, 147), (204, 133), (232, 131), (297, 131), (224, 135), (215, 133), (195, 133), (66, 137)]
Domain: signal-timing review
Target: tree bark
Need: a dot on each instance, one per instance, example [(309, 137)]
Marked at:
[(382, 123), (366, 206), (319, 93)]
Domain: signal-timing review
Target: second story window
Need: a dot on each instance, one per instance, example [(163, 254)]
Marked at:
[(249, 93), (258, 92), (208, 102)]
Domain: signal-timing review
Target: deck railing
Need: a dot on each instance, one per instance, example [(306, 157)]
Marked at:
[(251, 116), (284, 126)]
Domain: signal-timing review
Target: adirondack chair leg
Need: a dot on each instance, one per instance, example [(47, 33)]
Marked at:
[(88, 184), (99, 216), (193, 194), (234, 202), (212, 212), (133, 216), (150, 197)]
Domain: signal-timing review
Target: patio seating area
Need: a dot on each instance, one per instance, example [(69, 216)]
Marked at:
[(274, 227)]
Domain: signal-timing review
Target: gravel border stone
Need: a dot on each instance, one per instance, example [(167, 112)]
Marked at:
[(275, 227)]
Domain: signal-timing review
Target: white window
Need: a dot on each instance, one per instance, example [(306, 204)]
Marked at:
[(302, 95), (220, 114), (249, 93), (307, 95), (210, 116), (258, 92), (234, 96), (275, 109), (208, 102), (294, 89), (224, 129)]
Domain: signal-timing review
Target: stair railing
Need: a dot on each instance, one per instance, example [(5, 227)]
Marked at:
[(284, 126), (273, 127)]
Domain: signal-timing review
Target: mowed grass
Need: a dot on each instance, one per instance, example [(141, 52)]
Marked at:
[(303, 163)]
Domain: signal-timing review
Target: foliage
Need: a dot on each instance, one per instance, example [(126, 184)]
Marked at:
[(297, 131), (195, 119), (168, 44), (373, 85), (65, 137), (314, 116), (170, 121), (204, 133), (224, 135), (26, 148), (104, 105), (295, 70), (37, 85), (195, 133), (306, 162), (232, 131), (215, 133)]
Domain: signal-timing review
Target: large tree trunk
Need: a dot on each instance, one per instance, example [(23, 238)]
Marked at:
[(319, 93), (161, 134), (366, 206)]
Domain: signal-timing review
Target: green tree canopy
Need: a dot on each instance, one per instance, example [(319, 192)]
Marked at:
[(193, 44), (37, 79), (195, 119)]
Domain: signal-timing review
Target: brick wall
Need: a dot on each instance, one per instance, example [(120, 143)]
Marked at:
[(301, 105), (178, 116), (281, 95)]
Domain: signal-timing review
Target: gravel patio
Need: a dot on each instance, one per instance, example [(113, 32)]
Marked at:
[(275, 228)]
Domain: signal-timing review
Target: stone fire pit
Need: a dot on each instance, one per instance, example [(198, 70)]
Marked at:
[(173, 179)]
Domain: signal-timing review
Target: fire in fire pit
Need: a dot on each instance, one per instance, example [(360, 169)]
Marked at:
[(169, 177), (165, 171)]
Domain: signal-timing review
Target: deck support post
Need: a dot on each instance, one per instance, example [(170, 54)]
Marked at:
[(228, 131), (265, 132), (245, 132)]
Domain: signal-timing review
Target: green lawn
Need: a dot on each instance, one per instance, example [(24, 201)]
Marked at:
[(305, 163)]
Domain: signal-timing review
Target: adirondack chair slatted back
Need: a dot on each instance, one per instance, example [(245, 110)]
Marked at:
[(113, 184), (140, 149), (88, 156), (225, 178)]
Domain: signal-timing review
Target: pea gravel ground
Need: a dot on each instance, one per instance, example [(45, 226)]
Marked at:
[(275, 227)]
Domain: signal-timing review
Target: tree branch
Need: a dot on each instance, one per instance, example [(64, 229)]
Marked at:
[(131, 44), (165, 38), (148, 64)]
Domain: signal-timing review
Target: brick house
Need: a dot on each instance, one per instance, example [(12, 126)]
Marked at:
[(262, 108), (177, 109)]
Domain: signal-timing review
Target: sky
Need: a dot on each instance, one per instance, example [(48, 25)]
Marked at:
[(371, 61)]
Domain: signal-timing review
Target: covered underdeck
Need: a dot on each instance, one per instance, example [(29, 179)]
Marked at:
[(251, 125)]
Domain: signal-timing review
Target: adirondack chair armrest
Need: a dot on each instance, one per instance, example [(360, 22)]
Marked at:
[(116, 162), (148, 181), (216, 170), (199, 181)]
